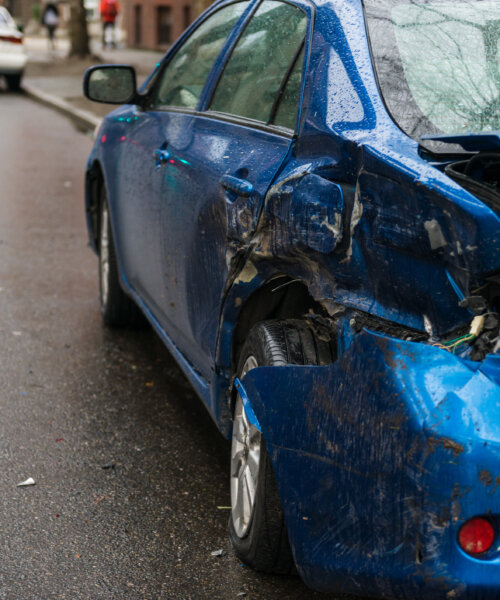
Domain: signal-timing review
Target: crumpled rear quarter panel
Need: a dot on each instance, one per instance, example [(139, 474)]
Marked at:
[(383, 455)]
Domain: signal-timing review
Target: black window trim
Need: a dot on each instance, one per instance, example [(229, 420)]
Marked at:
[(245, 121), (228, 118)]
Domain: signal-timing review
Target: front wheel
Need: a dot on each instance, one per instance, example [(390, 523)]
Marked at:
[(256, 526), (117, 308)]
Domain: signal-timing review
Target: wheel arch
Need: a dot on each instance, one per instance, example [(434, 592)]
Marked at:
[(94, 180), (279, 296)]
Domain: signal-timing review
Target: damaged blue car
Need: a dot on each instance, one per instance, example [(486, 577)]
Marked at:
[(304, 201)]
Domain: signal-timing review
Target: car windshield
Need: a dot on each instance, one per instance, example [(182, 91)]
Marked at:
[(438, 63)]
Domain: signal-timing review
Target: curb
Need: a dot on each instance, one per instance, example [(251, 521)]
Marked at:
[(84, 118)]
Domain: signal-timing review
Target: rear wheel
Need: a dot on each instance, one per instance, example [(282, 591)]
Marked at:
[(117, 308), (256, 525), (14, 81)]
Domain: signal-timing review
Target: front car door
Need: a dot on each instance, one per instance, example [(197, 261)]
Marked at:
[(143, 153)]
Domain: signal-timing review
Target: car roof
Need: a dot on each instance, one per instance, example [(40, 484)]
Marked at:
[(6, 19)]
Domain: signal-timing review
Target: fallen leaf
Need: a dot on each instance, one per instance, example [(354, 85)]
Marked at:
[(99, 498)]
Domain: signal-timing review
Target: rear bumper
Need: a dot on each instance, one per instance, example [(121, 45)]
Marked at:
[(380, 458)]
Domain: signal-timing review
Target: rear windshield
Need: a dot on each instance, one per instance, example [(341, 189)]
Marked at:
[(438, 63), (5, 18)]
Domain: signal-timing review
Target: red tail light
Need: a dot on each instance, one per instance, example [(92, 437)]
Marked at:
[(11, 38), (476, 535)]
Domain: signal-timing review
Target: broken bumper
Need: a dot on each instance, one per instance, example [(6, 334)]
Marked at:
[(380, 458)]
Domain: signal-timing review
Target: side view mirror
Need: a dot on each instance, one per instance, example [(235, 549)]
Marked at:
[(20, 27), (110, 84)]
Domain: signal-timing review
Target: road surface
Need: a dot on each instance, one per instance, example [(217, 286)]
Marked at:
[(131, 475)]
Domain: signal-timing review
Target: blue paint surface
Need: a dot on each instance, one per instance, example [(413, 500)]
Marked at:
[(252, 419), (383, 455), (397, 444)]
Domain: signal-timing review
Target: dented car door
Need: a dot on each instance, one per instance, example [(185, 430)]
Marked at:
[(220, 165)]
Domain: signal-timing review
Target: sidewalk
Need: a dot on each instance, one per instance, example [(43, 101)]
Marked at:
[(55, 80)]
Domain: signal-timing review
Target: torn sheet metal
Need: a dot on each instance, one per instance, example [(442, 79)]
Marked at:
[(390, 252)]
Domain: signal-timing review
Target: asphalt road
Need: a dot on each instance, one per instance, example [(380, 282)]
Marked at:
[(75, 398)]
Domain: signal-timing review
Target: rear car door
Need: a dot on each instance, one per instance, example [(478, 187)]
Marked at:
[(217, 167)]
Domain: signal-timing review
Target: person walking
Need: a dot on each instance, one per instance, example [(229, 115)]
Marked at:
[(109, 11), (50, 20)]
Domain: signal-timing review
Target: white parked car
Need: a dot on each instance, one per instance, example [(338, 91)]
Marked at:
[(12, 52)]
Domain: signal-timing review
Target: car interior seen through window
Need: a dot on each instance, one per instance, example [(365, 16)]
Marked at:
[(260, 67), (182, 82), (285, 112)]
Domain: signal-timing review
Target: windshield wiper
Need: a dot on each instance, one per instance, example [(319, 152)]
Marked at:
[(484, 141)]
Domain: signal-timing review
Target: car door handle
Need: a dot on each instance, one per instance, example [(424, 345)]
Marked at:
[(161, 155), (241, 187)]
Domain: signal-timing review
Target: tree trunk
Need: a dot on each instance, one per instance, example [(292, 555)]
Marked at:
[(77, 29)]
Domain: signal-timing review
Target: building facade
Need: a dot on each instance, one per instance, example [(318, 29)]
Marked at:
[(156, 24), (23, 10)]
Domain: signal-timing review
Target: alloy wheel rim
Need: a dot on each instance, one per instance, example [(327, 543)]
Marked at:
[(245, 463)]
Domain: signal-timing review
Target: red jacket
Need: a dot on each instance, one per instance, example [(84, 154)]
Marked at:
[(109, 9)]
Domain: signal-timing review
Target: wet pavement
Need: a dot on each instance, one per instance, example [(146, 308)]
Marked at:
[(131, 474), (52, 73)]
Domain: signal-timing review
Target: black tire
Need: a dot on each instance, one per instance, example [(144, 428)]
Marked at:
[(14, 81), (264, 545), (117, 309)]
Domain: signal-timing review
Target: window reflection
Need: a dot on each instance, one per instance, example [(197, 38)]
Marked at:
[(259, 63), (183, 80)]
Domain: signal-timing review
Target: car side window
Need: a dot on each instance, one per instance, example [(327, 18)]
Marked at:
[(260, 62), (285, 113), (183, 79)]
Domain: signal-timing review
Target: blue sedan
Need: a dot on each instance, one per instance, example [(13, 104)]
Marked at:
[(303, 199)]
